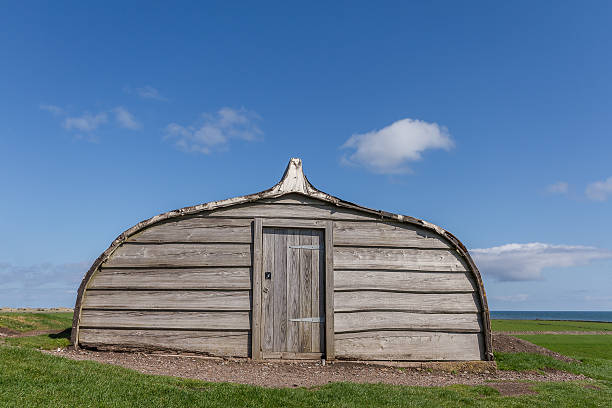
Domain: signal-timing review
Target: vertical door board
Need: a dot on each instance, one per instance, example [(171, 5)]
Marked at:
[(329, 291), (256, 279)]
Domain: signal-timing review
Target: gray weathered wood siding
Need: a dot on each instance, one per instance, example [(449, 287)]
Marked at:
[(401, 292)]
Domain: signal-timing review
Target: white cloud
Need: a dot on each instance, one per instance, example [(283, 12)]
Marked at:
[(55, 110), (85, 123), (519, 297), (389, 149), (126, 119), (216, 130), (560, 187), (148, 92), (599, 190), (524, 262)]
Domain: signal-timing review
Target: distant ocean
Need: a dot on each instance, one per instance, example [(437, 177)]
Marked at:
[(544, 315)]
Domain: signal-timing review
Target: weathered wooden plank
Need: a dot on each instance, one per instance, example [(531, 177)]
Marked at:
[(227, 343), (181, 278), (397, 258), (293, 291), (386, 234), (317, 291), (290, 211), (174, 299), (293, 199), (279, 276), (267, 295), (415, 346), (305, 292), (330, 353), (293, 223), (363, 321), (257, 272), (171, 255), (415, 302), (291, 355), (165, 320), (197, 229), (403, 280)]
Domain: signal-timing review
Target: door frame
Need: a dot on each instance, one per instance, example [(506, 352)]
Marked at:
[(258, 225)]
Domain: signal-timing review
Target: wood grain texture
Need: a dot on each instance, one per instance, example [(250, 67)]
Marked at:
[(293, 223), (226, 344), (172, 255), (285, 355), (318, 292), (415, 346), (293, 292), (293, 199), (197, 229), (257, 290), (397, 259), (403, 280), (330, 353), (386, 234), (268, 294), (320, 211), (169, 278), (174, 299), (165, 320), (279, 276), (414, 302), (363, 321), (306, 273)]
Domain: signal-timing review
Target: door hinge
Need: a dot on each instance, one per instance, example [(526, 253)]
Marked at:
[(305, 246)]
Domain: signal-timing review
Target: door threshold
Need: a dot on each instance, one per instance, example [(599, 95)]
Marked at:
[(284, 355)]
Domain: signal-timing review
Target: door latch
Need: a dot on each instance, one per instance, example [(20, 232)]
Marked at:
[(268, 275)]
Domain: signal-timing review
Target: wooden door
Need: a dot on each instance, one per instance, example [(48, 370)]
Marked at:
[(293, 293)]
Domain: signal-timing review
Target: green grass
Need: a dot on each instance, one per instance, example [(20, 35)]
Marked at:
[(547, 325), (596, 368), (30, 378), (593, 351), (42, 342), (28, 321), (574, 345)]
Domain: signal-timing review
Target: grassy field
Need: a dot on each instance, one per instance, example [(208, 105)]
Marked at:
[(24, 321), (30, 378), (547, 325), (578, 346)]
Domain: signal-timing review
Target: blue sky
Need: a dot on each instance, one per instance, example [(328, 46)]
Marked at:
[(489, 119)]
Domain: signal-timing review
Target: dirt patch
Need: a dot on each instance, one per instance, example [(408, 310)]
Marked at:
[(276, 374), (508, 344), (4, 332), (512, 388)]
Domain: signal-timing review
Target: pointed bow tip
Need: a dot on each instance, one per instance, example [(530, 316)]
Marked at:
[(293, 179)]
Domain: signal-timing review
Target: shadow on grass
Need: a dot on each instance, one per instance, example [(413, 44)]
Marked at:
[(62, 335)]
